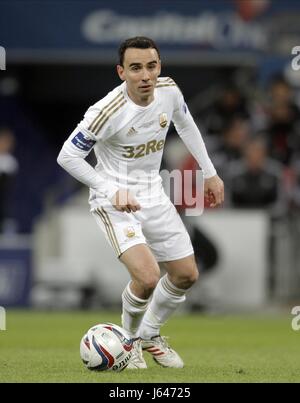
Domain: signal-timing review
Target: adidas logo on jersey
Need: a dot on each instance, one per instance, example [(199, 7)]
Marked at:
[(131, 131)]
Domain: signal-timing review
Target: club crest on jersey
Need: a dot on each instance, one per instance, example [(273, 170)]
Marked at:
[(163, 119), (129, 232)]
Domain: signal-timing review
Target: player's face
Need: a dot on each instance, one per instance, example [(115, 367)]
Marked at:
[(140, 70)]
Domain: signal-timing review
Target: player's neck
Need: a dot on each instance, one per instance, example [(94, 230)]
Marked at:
[(141, 101)]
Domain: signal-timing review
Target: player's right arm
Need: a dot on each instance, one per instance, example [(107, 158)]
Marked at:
[(72, 158), (74, 151)]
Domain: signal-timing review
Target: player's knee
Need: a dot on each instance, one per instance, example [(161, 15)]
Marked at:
[(187, 278), (147, 279), (150, 282), (192, 276)]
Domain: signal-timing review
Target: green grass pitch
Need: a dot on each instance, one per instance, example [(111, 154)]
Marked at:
[(44, 347)]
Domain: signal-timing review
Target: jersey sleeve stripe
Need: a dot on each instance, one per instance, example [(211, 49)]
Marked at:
[(165, 80), (114, 100), (166, 85), (109, 113), (169, 80), (103, 115)]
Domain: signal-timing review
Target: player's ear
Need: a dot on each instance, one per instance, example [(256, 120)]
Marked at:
[(120, 70)]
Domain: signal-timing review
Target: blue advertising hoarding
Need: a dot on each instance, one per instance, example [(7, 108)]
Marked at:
[(15, 275), (89, 28)]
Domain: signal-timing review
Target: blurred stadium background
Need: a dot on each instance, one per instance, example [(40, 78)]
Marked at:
[(233, 61)]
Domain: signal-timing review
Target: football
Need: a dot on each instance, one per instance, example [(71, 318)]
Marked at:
[(106, 347)]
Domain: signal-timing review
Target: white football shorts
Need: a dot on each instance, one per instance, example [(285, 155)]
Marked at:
[(160, 227)]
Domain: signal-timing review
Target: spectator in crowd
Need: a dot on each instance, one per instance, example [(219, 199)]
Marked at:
[(255, 181), (295, 189), (283, 121), (8, 169), (231, 104), (234, 137)]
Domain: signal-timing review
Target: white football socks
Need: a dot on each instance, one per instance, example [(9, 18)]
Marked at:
[(133, 311), (166, 298)]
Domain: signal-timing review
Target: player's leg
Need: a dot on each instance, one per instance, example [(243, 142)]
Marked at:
[(168, 295), (171, 245), (123, 232), (144, 273), (182, 273)]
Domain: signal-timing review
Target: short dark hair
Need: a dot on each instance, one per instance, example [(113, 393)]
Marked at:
[(139, 42)]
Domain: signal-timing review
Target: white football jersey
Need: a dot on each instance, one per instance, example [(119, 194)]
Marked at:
[(128, 140)]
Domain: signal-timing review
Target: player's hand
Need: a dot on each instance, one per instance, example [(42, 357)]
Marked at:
[(123, 200), (214, 191)]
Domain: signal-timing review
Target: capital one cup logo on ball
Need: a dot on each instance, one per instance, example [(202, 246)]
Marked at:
[(106, 347)]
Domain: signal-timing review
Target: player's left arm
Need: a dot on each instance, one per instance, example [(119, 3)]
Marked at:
[(191, 136)]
